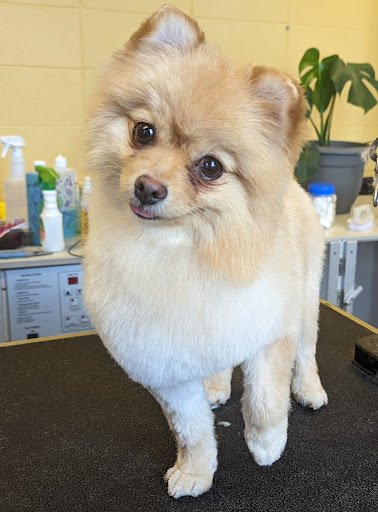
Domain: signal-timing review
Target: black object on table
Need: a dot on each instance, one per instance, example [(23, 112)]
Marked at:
[(77, 435)]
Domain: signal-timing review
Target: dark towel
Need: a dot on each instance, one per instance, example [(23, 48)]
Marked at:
[(77, 435)]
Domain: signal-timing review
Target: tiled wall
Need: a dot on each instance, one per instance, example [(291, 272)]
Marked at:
[(49, 51)]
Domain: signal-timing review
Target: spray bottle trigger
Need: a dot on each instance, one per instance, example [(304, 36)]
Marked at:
[(5, 150)]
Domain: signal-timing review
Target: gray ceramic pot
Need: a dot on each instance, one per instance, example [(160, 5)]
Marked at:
[(341, 165)]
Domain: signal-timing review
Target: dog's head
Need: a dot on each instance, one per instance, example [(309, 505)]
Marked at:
[(180, 136)]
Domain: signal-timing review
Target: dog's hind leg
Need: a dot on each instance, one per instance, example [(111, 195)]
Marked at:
[(266, 400), (190, 418), (218, 388), (306, 386)]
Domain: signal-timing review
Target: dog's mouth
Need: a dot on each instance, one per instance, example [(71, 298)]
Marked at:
[(143, 212)]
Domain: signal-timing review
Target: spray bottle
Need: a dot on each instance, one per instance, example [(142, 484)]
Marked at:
[(51, 218), (15, 185)]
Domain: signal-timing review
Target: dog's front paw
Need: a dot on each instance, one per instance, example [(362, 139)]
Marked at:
[(314, 398), (267, 446), (187, 484), (308, 390), (218, 388), (217, 397)]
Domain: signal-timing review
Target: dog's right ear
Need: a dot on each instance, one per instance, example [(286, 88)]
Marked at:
[(166, 29)]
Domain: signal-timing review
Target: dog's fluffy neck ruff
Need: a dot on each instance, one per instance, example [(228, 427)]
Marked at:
[(220, 249)]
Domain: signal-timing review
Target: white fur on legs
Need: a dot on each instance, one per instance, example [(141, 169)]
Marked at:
[(218, 388), (190, 418), (306, 386), (266, 400)]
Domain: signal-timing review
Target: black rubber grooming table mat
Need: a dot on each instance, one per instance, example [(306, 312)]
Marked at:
[(77, 435)]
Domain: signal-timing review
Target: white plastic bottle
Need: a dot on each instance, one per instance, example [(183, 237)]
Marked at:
[(15, 185), (51, 219), (324, 201), (52, 237)]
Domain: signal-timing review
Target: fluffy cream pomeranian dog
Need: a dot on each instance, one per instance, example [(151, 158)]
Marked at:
[(203, 252)]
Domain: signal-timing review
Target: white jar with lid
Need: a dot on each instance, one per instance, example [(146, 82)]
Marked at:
[(324, 200)]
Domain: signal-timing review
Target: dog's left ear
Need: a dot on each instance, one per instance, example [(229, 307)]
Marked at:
[(168, 28), (284, 106)]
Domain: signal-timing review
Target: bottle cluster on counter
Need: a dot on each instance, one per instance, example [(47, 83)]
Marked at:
[(28, 197)]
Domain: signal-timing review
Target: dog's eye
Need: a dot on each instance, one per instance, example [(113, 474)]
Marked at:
[(143, 133), (210, 168)]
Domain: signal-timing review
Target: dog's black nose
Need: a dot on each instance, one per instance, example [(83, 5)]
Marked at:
[(149, 191)]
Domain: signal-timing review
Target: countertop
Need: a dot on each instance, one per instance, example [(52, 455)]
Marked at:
[(340, 229), (58, 258)]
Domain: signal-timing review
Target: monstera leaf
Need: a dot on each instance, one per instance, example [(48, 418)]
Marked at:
[(308, 163), (310, 69), (359, 95), (309, 60)]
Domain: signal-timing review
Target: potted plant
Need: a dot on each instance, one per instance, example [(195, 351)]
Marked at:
[(326, 160)]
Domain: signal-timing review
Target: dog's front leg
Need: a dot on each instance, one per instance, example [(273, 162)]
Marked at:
[(266, 400), (190, 417)]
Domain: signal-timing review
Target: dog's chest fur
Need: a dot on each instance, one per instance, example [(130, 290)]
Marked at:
[(166, 318)]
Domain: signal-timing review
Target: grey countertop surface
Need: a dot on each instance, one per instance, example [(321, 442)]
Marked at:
[(58, 258), (340, 228)]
